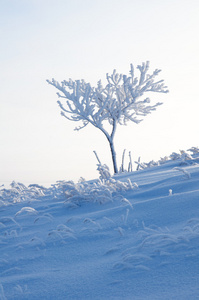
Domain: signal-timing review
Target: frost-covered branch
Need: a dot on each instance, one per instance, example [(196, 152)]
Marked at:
[(117, 103)]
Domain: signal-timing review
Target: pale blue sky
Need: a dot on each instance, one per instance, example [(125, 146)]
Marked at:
[(86, 39)]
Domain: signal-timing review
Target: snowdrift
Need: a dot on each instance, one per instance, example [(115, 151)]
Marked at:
[(133, 236)]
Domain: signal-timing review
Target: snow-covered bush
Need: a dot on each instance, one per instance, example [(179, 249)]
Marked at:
[(183, 158), (183, 155), (194, 150), (163, 160), (100, 191), (174, 156), (104, 171), (152, 163), (20, 193)]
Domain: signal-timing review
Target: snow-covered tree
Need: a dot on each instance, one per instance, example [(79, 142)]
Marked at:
[(118, 102)]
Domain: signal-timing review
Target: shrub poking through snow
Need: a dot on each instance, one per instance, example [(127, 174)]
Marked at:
[(183, 157), (101, 191), (104, 171), (194, 150), (21, 193)]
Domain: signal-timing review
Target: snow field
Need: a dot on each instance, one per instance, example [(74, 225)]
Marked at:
[(133, 236)]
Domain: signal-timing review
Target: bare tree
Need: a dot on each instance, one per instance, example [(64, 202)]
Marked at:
[(116, 103)]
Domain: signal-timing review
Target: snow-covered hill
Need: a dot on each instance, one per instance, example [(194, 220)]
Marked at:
[(118, 239)]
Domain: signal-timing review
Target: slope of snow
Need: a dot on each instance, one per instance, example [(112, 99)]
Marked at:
[(103, 240)]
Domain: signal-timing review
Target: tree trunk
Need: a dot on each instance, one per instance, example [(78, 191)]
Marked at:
[(110, 140), (113, 154)]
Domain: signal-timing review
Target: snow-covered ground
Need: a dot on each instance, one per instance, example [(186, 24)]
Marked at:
[(103, 239)]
